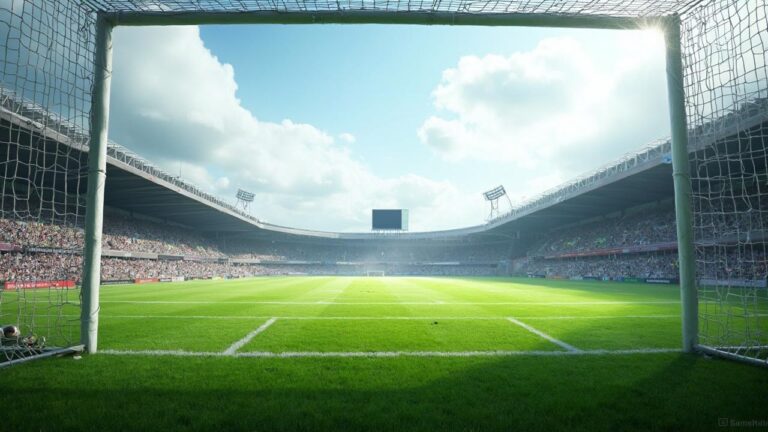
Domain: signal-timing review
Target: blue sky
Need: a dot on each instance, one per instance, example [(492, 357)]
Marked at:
[(372, 81), (326, 122), (323, 76)]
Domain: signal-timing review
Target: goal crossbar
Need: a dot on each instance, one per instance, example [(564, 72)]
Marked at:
[(382, 17)]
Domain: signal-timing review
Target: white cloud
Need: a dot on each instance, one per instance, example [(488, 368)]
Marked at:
[(175, 103), (547, 114), (556, 106), (347, 138)]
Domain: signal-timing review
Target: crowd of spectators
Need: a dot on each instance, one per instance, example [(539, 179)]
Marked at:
[(641, 266), (722, 220), (37, 267), (59, 266), (120, 233), (52, 252), (128, 234), (129, 269), (744, 262), (725, 218), (137, 235), (636, 229), (393, 252), (737, 253), (35, 234)]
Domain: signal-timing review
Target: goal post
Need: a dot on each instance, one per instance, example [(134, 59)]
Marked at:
[(375, 273), (670, 25), (100, 114), (716, 76), (682, 183), (97, 177)]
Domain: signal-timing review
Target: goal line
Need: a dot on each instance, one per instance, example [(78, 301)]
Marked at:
[(386, 354), (423, 303), (391, 318)]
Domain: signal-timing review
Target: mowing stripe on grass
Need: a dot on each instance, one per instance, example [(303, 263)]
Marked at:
[(385, 354), (540, 333), (239, 344)]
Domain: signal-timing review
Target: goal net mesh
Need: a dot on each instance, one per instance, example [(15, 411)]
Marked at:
[(725, 46), (45, 86), (46, 76)]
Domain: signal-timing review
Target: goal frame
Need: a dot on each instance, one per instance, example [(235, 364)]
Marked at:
[(99, 119)]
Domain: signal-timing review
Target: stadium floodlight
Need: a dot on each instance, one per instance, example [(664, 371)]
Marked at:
[(495, 193), (244, 198), (245, 195), (723, 43), (493, 196)]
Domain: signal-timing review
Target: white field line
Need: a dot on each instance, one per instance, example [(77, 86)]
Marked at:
[(373, 318), (249, 317), (239, 344), (430, 303), (540, 333), (373, 354), (546, 317)]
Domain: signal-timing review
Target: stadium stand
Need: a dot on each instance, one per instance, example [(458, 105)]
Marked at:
[(652, 227), (637, 244), (616, 222), (612, 267), (139, 248)]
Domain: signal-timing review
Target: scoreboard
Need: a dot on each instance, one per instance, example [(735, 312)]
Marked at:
[(389, 219)]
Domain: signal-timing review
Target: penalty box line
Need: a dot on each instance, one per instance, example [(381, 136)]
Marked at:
[(541, 334), (239, 344)]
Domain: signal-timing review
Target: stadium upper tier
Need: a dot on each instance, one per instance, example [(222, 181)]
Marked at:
[(137, 186)]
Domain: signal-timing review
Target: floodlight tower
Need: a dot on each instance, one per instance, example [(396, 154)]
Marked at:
[(244, 199), (493, 196)]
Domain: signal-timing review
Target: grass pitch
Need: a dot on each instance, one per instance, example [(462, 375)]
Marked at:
[(320, 353)]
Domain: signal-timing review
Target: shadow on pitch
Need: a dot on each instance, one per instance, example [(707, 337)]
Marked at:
[(639, 392)]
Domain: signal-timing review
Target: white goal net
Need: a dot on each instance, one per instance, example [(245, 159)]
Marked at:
[(727, 92), (47, 83)]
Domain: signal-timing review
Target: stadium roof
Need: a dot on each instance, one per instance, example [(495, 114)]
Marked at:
[(135, 185)]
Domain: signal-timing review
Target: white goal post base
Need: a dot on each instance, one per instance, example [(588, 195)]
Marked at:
[(17, 355)]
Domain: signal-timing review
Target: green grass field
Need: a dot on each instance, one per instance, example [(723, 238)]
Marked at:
[(342, 353)]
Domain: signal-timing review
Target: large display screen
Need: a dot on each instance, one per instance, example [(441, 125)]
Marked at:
[(389, 219)]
